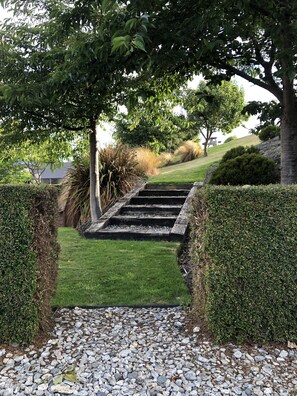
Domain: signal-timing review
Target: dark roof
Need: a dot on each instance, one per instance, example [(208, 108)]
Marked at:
[(59, 173)]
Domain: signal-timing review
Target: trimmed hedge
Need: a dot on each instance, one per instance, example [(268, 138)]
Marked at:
[(244, 260), (28, 260)]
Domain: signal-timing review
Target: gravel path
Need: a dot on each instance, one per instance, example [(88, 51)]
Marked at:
[(124, 351)]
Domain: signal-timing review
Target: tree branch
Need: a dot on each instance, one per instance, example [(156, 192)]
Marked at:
[(273, 88), (54, 122)]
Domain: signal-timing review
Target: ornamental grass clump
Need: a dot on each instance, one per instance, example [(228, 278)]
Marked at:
[(147, 161), (188, 151), (119, 173), (165, 159)]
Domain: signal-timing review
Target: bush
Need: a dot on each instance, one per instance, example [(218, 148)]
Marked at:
[(238, 151), (254, 169), (188, 151), (243, 249), (147, 161), (28, 260), (119, 173), (269, 132), (230, 139)]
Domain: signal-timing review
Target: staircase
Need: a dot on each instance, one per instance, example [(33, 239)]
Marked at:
[(150, 212)]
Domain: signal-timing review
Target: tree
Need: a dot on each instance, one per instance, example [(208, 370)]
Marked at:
[(26, 161), (154, 123), (251, 39), (59, 73), (269, 113), (212, 109)]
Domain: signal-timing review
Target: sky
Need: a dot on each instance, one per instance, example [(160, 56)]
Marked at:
[(252, 92)]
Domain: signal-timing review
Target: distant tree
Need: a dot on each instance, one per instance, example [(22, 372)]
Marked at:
[(213, 109), (27, 161), (159, 129)]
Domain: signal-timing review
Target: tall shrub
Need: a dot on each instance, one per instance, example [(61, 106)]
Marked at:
[(244, 257), (28, 260)]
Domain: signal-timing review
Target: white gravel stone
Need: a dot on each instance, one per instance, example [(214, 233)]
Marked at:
[(145, 352)]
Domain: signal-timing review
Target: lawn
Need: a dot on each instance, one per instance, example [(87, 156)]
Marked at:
[(95, 273), (189, 172)]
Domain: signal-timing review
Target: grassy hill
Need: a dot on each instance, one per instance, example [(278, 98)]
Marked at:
[(195, 170)]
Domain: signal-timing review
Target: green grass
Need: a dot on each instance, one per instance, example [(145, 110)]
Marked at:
[(189, 172), (117, 272)]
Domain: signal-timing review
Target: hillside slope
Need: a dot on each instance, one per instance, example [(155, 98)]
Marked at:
[(195, 170)]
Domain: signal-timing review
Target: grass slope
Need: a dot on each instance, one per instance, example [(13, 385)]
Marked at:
[(195, 170), (117, 272)]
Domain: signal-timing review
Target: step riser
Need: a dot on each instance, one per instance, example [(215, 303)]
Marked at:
[(157, 200), (163, 193), (147, 221), (148, 210), (182, 186), (135, 237)]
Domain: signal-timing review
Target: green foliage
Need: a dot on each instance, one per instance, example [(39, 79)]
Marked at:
[(118, 174), (254, 169), (243, 241), (239, 150), (27, 160), (28, 260), (152, 123), (13, 173), (269, 132), (216, 108), (268, 113)]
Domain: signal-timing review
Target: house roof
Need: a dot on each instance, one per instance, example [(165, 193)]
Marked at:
[(59, 173)]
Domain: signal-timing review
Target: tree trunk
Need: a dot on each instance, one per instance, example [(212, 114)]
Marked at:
[(289, 135), (289, 102), (95, 200), (205, 148)]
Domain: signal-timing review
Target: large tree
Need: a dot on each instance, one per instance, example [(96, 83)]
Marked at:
[(221, 38), (59, 73), (214, 108)]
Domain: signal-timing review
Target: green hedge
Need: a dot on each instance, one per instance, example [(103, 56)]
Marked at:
[(244, 257), (28, 260)]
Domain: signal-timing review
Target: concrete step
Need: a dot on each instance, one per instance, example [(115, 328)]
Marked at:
[(172, 186), (141, 220), (151, 209), (141, 234), (151, 200), (164, 193)]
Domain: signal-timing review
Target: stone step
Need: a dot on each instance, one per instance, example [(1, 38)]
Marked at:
[(151, 209), (172, 186), (138, 233), (164, 193), (140, 220), (150, 200)]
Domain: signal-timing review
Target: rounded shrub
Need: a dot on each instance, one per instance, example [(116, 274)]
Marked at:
[(239, 150), (230, 139), (254, 169), (269, 132)]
